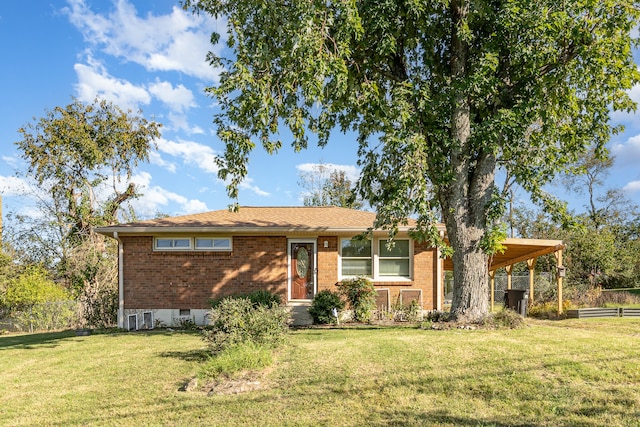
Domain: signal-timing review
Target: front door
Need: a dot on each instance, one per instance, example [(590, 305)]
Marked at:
[(302, 270)]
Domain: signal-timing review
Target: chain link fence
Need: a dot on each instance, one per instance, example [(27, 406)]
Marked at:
[(47, 316), (543, 286)]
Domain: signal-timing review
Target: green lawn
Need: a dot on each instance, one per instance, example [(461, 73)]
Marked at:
[(577, 372)]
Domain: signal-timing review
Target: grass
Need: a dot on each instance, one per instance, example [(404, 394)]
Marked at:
[(576, 372)]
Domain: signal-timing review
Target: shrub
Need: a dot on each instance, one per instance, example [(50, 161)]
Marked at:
[(258, 298), (45, 316), (361, 295), (31, 287), (322, 306), (264, 298), (407, 313), (236, 320)]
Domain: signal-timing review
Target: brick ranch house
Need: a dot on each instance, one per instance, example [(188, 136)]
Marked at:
[(170, 268)]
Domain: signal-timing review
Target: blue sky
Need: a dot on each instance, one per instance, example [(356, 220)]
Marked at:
[(150, 55)]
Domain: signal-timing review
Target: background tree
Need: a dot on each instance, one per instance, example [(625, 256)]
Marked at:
[(603, 249), (441, 95), (81, 158), (328, 187)]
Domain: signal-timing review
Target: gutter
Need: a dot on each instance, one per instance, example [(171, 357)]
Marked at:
[(163, 230), (120, 281)]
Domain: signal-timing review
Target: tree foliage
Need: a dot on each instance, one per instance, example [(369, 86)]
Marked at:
[(441, 94), (30, 287), (328, 187), (81, 158), (73, 151)]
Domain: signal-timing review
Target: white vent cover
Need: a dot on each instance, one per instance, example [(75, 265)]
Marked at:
[(132, 321), (147, 320)]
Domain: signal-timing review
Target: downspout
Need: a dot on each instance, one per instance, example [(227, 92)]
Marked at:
[(120, 282), (439, 276)]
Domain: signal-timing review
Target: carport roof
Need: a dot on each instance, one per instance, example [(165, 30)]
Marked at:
[(518, 250)]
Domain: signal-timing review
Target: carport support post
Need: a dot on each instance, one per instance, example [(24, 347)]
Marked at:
[(492, 276), (531, 263), (558, 255), (509, 269)]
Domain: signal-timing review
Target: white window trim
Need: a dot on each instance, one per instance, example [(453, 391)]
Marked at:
[(340, 258), (375, 248), (172, 249), (192, 244)]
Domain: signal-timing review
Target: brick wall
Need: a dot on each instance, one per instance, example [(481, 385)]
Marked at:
[(155, 279), (175, 280)]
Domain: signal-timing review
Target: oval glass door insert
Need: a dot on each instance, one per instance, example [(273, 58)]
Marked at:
[(302, 262)]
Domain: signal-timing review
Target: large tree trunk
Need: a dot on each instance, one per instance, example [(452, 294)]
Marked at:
[(465, 198), (470, 269)]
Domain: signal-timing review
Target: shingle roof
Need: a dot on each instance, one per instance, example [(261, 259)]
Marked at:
[(300, 218)]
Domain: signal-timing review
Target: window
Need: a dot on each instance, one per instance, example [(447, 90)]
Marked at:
[(375, 259), (181, 243), (356, 257), (394, 261), (192, 243), (213, 244)]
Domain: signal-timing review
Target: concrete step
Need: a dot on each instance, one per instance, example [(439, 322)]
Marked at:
[(300, 315)]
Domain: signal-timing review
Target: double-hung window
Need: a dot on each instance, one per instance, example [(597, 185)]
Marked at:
[(356, 257), (394, 261), (376, 259)]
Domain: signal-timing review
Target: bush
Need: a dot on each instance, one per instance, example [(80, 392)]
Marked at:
[(264, 298), (322, 306), (361, 295), (258, 298), (406, 313), (236, 320), (46, 316), (31, 287)]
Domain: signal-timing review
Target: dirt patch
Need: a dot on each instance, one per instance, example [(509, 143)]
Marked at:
[(235, 386), (249, 381)]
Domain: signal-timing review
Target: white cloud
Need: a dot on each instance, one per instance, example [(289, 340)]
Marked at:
[(178, 41), (156, 159), (632, 187), (192, 153), (94, 81), (247, 184), (351, 172), (11, 161), (629, 152), (13, 186), (179, 121), (154, 199), (178, 98)]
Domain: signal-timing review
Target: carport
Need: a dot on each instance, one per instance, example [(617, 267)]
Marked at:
[(523, 250)]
